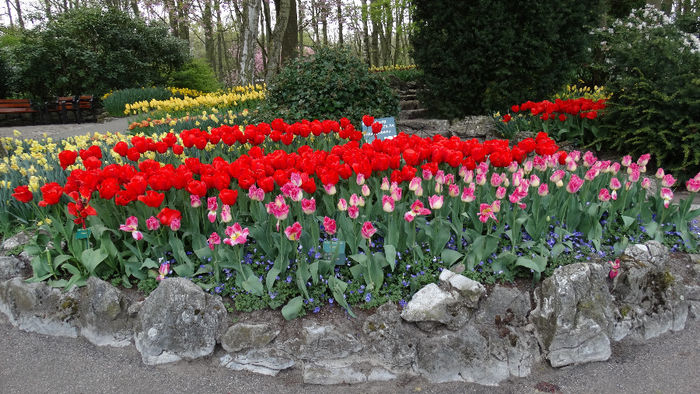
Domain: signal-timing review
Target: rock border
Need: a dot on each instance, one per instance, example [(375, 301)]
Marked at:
[(454, 330)]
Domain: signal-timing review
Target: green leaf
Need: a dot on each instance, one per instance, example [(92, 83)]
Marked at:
[(338, 288), (293, 308), (253, 285), (557, 249), (627, 220), (537, 263), (450, 256), (92, 258), (390, 252), (359, 257)]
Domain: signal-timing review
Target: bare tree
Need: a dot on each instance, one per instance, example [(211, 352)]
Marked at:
[(282, 14), (251, 14)]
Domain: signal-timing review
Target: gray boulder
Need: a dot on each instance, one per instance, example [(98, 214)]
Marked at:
[(15, 241), (429, 304), (504, 304), (11, 267), (104, 318), (572, 315), (326, 342), (481, 127), (467, 291), (178, 321), (266, 361), (36, 307), (390, 339), (650, 300), (242, 336), (345, 372)]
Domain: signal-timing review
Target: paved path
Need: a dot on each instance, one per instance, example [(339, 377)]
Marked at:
[(57, 131), (33, 363)]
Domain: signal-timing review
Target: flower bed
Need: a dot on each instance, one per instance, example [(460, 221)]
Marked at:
[(267, 214)]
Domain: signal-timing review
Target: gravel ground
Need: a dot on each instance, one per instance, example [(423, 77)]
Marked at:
[(33, 363)]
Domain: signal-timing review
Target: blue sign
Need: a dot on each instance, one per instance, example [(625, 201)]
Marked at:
[(388, 130), (334, 251)]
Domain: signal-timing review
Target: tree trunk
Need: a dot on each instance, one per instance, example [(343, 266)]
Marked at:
[(388, 35), (283, 7), (300, 22), (374, 14), (172, 17), (399, 30), (250, 32), (290, 39), (219, 41), (9, 13), (314, 19), (182, 22), (324, 24), (208, 26), (135, 8), (18, 10), (340, 21), (365, 31)]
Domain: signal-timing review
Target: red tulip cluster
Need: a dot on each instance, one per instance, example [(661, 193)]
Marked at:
[(561, 109), (147, 180)]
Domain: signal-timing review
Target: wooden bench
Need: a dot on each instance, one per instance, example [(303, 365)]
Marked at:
[(18, 107), (75, 104)]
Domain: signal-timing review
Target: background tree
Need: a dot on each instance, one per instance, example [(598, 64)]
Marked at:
[(479, 56)]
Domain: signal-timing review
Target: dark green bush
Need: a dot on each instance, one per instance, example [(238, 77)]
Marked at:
[(331, 84), (6, 74), (197, 74), (651, 67), (482, 55), (92, 51), (115, 102)]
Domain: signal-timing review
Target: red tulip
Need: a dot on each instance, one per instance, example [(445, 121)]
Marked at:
[(23, 194), (67, 158)]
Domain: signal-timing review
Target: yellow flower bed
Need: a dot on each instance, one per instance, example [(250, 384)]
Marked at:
[(595, 94), (229, 98)]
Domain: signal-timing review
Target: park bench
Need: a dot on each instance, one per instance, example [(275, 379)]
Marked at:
[(18, 107), (75, 104)]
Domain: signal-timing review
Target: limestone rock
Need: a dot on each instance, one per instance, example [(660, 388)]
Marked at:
[(649, 299), (474, 127), (429, 304), (466, 290), (178, 321), (424, 127), (17, 240), (242, 336), (36, 307), (324, 342), (267, 361), (345, 372), (11, 267), (572, 314), (390, 338), (104, 318), (504, 304)]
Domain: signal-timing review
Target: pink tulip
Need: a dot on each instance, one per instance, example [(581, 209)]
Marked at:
[(385, 184), (659, 173), (163, 271), (414, 184), (256, 194), (278, 208), (604, 195), (574, 184), (667, 196), (693, 185), (643, 159), (213, 240), (353, 211), (388, 203), (627, 160), (329, 225), (236, 235), (293, 232), (360, 179), (152, 223), (212, 204), (195, 201), (131, 225), (486, 212), (368, 230), (226, 214), (614, 269), (668, 180), (175, 224), (615, 184), (646, 183), (308, 206), (396, 192), (500, 192), (436, 201), (468, 193), (453, 190), (543, 190), (329, 189), (342, 205)]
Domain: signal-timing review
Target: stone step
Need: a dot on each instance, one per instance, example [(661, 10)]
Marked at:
[(408, 97), (424, 127), (409, 92), (409, 104), (413, 113)]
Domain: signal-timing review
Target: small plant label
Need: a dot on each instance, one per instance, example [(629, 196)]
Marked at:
[(83, 233), (388, 129), (334, 249)]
